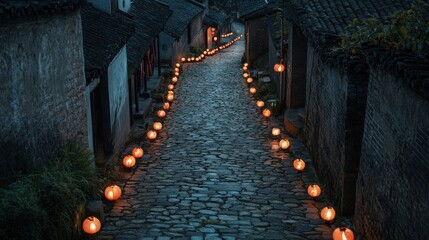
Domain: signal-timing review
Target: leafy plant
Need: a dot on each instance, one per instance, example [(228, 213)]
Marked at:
[(48, 203), (406, 29)]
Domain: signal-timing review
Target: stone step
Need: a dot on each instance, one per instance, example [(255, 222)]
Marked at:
[(294, 121)]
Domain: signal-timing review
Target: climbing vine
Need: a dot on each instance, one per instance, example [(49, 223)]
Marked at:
[(406, 30)]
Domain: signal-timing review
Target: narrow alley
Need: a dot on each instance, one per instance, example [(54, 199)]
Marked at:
[(215, 171)]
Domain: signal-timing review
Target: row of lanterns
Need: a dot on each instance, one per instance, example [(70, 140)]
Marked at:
[(226, 35), (91, 225), (210, 52), (313, 190)]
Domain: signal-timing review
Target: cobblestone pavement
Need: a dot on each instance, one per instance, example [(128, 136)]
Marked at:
[(215, 172)]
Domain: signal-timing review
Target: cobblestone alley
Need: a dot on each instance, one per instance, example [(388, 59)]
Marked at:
[(215, 172)]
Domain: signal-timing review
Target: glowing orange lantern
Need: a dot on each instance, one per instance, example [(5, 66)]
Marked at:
[(170, 92), (189, 59), (327, 213), (91, 225), (170, 86), (129, 161), (284, 144), (112, 192), (178, 64), (137, 152), (205, 52), (275, 132), (266, 113), (279, 67), (244, 68), (161, 113), (246, 75), (343, 233), (183, 59), (176, 74), (212, 30), (299, 164), (249, 80), (176, 69), (192, 58), (246, 64), (314, 190), (260, 103), (166, 106), (151, 134), (252, 90), (170, 97), (157, 126), (174, 79), (215, 39)]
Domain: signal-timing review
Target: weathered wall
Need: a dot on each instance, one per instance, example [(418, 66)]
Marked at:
[(103, 5), (197, 33), (257, 38), (118, 99), (324, 129), (166, 47), (42, 84), (392, 194), (273, 53)]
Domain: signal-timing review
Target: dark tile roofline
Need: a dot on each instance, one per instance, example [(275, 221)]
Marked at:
[(177, 24), (323, 36), (149, 17), (197, 3), (267, 9), (16, 9), (104, 36)]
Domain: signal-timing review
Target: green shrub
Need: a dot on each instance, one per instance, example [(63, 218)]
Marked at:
[(47, 204)]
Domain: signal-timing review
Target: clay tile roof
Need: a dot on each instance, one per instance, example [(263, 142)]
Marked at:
[(103, 36), (320, 18), (246, 7), (323, 20), (183, 13), (10, 9), (216, 16), (149, 18)]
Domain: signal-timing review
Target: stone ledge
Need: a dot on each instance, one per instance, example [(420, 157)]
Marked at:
[(293, 121)]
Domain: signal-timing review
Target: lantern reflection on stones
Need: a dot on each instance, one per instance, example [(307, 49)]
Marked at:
[(343, 233), (91, 225), (314, 190), (112, 192), (137, 152), (266, 113), (157, 126), (151, 134), (166, 105), (284, 144), (252, 90), (275, 131), (129, 161), (260, 103), (327, 213), (161, 113), (299, 164), (249, 80)]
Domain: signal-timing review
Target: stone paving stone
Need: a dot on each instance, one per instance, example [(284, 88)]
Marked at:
[(213, 172)]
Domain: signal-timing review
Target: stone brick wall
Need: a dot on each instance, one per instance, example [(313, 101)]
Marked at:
[(257, 39), (324, 129), (42, 84), (392, 194)]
